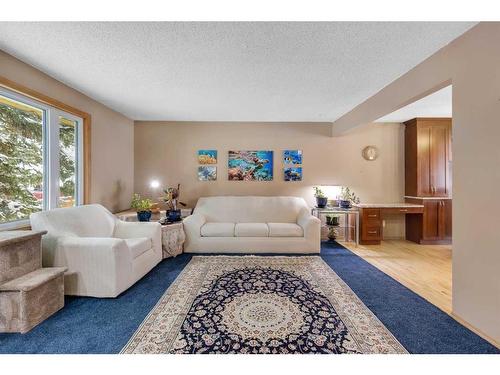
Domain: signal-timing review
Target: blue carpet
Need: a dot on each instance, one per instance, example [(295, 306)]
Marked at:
[(92, 325), (418, 325)]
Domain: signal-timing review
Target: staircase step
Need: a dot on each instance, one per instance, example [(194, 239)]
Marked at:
[(32, 280)]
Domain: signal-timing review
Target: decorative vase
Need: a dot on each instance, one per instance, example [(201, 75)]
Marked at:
[(321, 202), (332, 233), (144, 215), (173, 215), (345, 203)]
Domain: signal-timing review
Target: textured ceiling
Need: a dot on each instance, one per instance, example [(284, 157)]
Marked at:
[(227, 71), (437, 104)]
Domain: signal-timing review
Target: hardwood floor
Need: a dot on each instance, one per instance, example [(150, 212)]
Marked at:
[(425, 269)]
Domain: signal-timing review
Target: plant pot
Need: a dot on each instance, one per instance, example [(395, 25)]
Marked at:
[(144, 215), (174, 215), (345, 204), (332, 234), (321, 202)]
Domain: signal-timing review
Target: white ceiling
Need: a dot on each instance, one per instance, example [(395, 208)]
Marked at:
[(216, 71), (438, 104)]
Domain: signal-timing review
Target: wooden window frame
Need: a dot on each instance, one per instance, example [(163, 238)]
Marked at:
[(44, 99)]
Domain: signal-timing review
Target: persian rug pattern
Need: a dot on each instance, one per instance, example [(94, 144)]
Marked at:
[(260, 305)]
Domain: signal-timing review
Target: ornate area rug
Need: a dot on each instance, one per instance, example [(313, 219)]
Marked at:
[(255, 304)]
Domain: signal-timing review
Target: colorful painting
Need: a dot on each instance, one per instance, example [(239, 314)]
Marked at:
[(250, 166), (292, 157), (293, 173), (207, 156), (207, 173)]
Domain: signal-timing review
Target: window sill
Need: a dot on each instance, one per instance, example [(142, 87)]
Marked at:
[(16, 225)]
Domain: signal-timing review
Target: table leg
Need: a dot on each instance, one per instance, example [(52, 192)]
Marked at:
[(357, 228), (346, 227)]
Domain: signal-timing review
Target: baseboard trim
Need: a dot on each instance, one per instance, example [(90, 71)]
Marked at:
[(478, 332)]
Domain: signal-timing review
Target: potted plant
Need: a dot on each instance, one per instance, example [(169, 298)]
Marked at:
[(321, 198), (347, 197), (171, 198), (332, 220), (142, 206)]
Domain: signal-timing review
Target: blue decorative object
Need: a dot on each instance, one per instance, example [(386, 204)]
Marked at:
[(321, 202), (345, 204), (144, 215), (174, 215)]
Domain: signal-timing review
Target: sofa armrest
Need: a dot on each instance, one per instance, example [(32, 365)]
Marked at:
[(130, 229), (100, 265), (310, 224), (192, 225)]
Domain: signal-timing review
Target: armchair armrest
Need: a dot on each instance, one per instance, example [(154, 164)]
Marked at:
[(96, 266), (309, 223), (130, 229)]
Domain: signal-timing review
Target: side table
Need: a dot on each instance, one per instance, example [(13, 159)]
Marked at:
[(316, 211), (172, 239), (172, 235)]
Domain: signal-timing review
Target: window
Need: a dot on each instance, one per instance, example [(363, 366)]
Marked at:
[(41, 163)]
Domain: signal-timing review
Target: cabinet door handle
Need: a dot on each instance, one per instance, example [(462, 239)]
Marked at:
[(372, 215), (403, 210), (372, 232)]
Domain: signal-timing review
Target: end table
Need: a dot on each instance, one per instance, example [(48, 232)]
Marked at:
[(172, 239)]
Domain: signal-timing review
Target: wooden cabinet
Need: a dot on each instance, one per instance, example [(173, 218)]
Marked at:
[(428, 157), (434, 226), (371, 226), (371, 220), (428, 175)]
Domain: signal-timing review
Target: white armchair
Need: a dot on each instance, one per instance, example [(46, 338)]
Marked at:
[(104, 256)]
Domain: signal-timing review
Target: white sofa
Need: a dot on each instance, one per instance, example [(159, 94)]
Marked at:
[(252, 224), (104, 256)]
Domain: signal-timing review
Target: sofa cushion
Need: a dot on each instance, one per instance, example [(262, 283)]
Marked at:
[(217, 230), (251, 230), (285, 230), (138, 246)]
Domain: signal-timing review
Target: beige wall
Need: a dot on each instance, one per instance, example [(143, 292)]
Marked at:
[(167, 151), (472, 64), (112, 151)]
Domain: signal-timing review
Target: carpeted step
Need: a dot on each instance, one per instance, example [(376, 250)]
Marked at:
[(32, 280)]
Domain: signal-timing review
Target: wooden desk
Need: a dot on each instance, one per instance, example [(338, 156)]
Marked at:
[(371, 215)]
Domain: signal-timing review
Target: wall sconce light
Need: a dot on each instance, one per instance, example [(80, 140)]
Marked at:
[(154, 184)]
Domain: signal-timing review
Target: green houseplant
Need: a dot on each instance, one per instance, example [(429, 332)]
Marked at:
[(142, 206), (321, 198), (347, 197), (171, 199), (332, 220)]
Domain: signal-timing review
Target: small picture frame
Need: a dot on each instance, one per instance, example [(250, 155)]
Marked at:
[(293, 157), (207, 156), (292, 173), (207, 173)]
